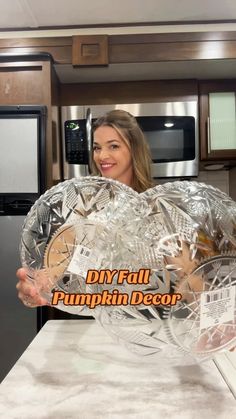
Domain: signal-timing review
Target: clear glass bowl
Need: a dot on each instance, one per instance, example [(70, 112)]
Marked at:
[(61, 234), (188, 240), (184, 233)]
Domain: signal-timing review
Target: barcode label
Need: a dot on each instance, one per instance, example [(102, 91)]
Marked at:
[(82, 260), (84, 252), (216, 295), (217, 307)]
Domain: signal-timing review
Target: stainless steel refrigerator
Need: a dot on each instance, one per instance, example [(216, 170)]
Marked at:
[(22, 181)]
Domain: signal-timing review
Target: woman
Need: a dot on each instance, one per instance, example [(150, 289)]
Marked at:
[(120, 152)]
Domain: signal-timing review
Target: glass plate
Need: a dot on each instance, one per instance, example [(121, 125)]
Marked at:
[(72, 215), (193, 233)]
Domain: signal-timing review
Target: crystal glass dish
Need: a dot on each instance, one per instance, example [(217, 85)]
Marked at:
[(72, 216), (188, 241), (180, 237)]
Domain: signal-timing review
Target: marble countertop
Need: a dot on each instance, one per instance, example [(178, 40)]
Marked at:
[(73, 369)]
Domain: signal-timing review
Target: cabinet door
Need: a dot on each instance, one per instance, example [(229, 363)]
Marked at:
[(218, 120)]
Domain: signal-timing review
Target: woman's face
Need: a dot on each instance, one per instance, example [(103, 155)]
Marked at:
[(112, 156)]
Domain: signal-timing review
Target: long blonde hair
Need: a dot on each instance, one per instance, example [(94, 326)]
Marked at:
[(127, 127)]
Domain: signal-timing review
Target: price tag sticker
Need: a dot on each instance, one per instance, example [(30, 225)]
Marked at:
[(83, 259), (217, 307)]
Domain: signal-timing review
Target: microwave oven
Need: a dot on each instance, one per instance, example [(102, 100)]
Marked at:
[(171, 130)]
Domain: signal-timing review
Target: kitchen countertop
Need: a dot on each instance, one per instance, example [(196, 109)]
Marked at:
[(73, 369)]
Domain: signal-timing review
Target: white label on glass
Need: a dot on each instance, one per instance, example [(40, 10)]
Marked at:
[(217, 307), (83, 260)]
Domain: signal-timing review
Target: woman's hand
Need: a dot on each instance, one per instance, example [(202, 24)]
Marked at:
[(216, 338), (27, 292)]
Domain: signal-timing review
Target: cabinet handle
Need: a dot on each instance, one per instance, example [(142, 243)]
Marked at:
[(208, 136)]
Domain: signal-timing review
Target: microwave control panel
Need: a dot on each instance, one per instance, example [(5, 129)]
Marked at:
[(76, 145)]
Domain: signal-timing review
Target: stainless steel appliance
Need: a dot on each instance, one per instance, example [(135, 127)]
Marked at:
[(171, 130), (22, 180)]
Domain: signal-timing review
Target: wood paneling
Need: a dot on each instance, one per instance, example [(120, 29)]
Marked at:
[(55, 87), (172, 37), (170, 51), (56, 145), (21, 83), (136, 47), (35, 42), (60, 55), (210, 86), (90, 50), (131, 92)]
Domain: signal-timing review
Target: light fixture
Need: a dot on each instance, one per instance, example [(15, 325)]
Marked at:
[(169, 124), (214, 166)]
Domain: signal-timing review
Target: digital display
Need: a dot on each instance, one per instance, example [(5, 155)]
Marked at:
[(72, 125)]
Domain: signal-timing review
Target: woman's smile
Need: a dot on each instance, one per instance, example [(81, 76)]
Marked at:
[(105, 167)]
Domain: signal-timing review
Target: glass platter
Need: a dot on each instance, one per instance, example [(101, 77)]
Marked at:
[(75, 214), (184, 233)]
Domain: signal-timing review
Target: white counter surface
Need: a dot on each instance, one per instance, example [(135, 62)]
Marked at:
[(73, 369)]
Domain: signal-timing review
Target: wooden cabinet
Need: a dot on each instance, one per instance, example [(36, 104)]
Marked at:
[(218, 120), (28, 81)]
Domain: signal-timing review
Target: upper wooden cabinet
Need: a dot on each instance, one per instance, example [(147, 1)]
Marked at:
[(218, 120), (128, 48)]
